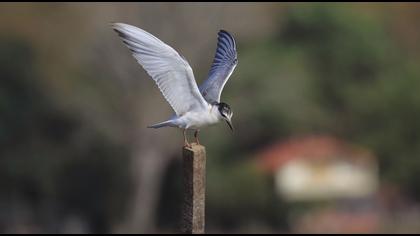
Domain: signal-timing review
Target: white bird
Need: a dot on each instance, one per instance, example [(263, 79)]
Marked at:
[(194, 106)]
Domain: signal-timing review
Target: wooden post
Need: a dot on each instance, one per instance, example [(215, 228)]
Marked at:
[(194, 168)]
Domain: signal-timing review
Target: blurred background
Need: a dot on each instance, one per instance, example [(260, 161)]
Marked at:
[(326, 101)]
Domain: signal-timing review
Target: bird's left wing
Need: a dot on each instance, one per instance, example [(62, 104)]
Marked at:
[(168, 69), (223, 65)]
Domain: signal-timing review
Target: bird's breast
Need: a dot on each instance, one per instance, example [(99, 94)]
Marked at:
[(196, 120)]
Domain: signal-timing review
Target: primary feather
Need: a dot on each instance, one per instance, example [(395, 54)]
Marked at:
[(223, 65)]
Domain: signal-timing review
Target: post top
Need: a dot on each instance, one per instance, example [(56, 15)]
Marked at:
[(195, 147)]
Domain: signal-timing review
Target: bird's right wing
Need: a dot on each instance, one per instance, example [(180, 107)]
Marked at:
[(168, 69)]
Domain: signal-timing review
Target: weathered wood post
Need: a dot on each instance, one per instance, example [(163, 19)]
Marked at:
[(194, 168)]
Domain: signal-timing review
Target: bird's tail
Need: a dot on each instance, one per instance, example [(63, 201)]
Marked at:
[(161, 124)]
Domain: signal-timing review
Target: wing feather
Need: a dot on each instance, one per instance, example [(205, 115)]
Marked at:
[(171, 72), (224, 63)]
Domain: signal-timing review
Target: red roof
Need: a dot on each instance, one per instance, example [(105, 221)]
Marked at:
[(308, 147)]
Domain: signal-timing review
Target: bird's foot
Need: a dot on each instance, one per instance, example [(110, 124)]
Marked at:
[(187, 145)]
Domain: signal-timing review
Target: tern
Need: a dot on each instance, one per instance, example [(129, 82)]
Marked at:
[(194, 106)]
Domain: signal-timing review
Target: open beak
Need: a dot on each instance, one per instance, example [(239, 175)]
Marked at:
[(229, 122)]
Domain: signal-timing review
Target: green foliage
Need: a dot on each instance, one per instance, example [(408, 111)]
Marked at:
[(364, 82), (330, 70), (50, 160)]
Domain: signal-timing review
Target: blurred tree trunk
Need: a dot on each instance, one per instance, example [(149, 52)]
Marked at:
[(148, 168), (150, 156)]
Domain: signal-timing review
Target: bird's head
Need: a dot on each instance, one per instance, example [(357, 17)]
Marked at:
[(226, 113)]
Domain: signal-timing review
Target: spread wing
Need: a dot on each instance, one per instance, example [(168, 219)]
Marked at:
[(223, 65), (171, 72)]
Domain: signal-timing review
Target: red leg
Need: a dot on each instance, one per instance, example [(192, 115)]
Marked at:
[(186, 144)]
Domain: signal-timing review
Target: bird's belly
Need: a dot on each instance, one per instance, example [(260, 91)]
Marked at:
[(195, 120)]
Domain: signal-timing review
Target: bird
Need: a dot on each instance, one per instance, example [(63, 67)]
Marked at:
[(194, 106)]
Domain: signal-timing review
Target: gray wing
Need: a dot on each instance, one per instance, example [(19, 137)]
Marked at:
[(223, 65), (171, 72)]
